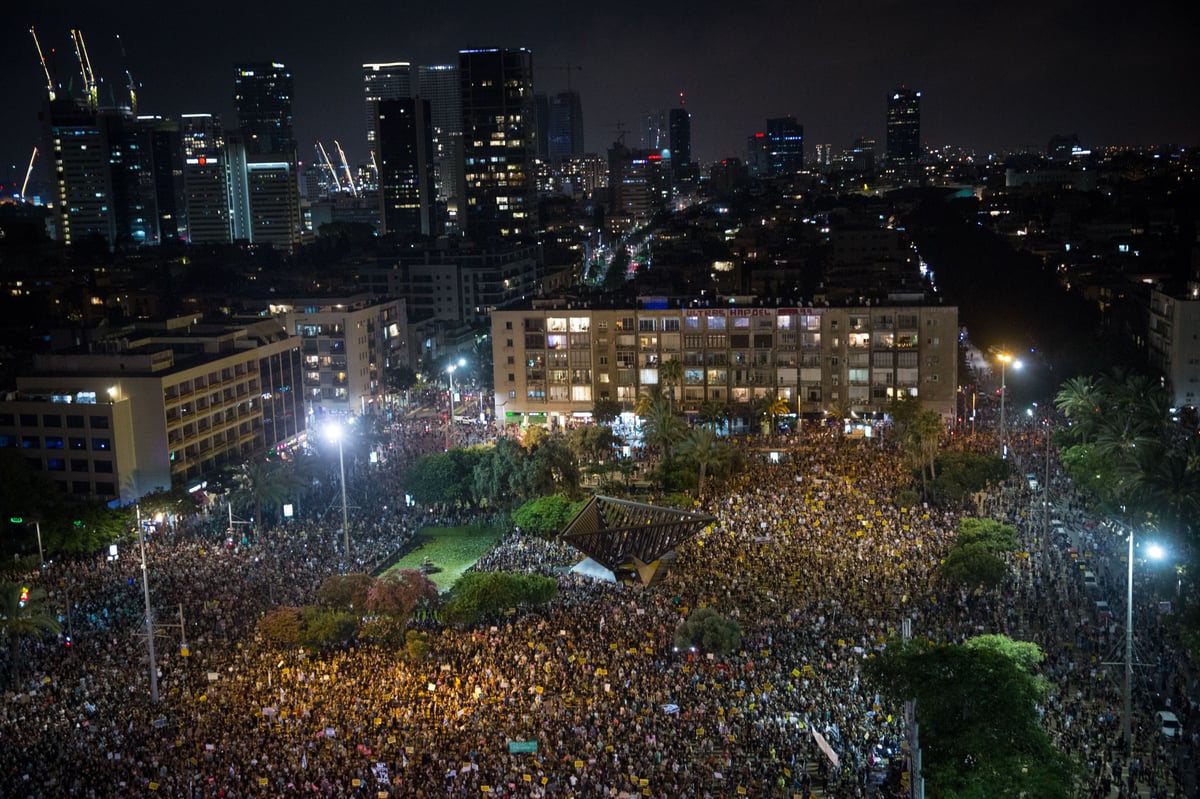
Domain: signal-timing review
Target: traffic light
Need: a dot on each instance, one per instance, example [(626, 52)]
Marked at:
[(24, 596)]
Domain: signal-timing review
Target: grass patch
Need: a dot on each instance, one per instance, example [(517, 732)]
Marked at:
[(452, 549)]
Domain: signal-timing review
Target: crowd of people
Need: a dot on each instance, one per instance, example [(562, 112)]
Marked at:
[(817, 558)]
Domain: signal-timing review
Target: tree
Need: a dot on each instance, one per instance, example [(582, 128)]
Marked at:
[(545, 516), (593, 442), (1079, 400), (670, 373), (24, 614), (416, 644), (328, 628), (977, 705), (445, 478), (605, 411), (996, 536), (478, 594), (661, 428), (283, 625), (399, 593), (702, 448), (345, 591), (708, 631), (712, 414)]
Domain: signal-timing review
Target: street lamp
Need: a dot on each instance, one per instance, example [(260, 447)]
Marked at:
[(141, 534), (335, 432), (1154, 552), (1005, 359), (450, 400)]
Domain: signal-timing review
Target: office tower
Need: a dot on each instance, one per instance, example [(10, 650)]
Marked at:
[(639, 184), (680, 121), (390, 81), (162, 184), (541, 115), (785, 146), (439, 84), (264, 197), (564, 126), (861, 156), (263, 101), (904, 132), (83, 181), (404, 138), (757, 154), (206, 193), (499, 143)]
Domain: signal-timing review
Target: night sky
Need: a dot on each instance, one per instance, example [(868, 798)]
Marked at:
[(993, 75)]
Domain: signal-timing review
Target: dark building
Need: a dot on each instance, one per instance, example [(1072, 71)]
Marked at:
[(206, 192), (404, 136), (904, 132), (263, 100), (564, 126), (499, 143), (680, 124), (785, 146)]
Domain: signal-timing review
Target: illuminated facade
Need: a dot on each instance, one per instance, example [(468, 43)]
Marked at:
[(404, 138), (904, 132), (388, 81), (499, 143), (263, 101), (205, 189), (553, 361)]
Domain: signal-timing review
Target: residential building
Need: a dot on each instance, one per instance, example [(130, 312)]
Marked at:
[(346, 345), (553, 359), (159, 407), (1173, 342)]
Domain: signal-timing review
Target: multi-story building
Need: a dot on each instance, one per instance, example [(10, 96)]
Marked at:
[(904, 132), (564, 131), (205, 188), (553, 359), (640, 185), (387, 81), (499, 143), (163, 407), (785, 146), (1173, 336), (440, 85), (404, 138), (346, 345), (263, 101), (681, 139)]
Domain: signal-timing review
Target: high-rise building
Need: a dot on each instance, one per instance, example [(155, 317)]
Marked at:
[(389, 81), (263, 101), (680, 121), (499, 143), (904, 132), (83, 180), (439, 84), (785, 146), (404, 138), (264, 198), (639, 184), (564, 126), (205, 190)]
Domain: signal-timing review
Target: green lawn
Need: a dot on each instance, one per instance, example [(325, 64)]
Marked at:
[(452, 549)]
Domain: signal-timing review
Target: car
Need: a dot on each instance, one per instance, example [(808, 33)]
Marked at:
[(1168, 724), (1089, 580)]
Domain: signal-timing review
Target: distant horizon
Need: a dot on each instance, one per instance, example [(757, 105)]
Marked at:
[(1003, 81)]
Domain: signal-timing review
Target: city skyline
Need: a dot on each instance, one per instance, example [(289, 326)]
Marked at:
[(1006, 77)]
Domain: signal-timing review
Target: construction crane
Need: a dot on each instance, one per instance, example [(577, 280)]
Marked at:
[(337, 181), (129, 79), (28, 172), (569, 68), (90, 89), (345, 166), (46, 69), (374, 165)]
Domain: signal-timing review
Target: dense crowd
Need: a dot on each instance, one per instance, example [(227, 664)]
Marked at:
[(815, 557)]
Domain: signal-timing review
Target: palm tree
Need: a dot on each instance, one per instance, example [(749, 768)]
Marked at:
[(660, 427), (778, 406), (701, 446), (670, 374), (20, 618), (711, 414), (1079, 400)]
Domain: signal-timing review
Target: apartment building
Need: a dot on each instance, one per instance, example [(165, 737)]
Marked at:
[(553, 359)]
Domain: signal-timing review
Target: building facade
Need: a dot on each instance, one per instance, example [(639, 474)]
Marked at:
[(1174, 343), (404, 138), (904, 132), (166, 407), (386, 81), (262, 98), (499, 143), (346, 345), (553, 361)]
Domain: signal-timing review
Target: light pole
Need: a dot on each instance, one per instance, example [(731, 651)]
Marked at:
[(335, 432), (141, 533), (450, 400), (1155, 552), (1005, 359)]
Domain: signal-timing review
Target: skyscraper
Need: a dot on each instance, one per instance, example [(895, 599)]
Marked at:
[(681, 139), (206, 193), (263, 100), (499, 143), (439, 84), (564, 126), (785, 146), (904, 132), (404, 136), (388, 81)]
